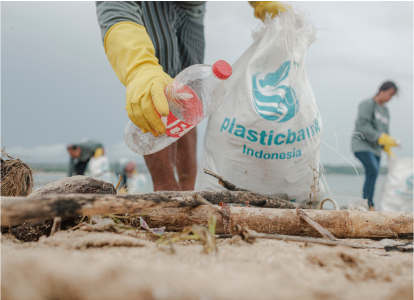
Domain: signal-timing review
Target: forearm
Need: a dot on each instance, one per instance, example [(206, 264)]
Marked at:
[(187, 160), (368, 131), (365, 121), (71, 167)]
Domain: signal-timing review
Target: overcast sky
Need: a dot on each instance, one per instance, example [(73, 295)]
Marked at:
[(57, 85)]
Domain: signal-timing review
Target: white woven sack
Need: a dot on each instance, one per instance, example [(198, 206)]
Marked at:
[(136, 183), (266, 135), (100, 169), (397, 191)]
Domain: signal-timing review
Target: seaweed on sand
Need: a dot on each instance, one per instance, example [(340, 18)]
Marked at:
[(16, 176)]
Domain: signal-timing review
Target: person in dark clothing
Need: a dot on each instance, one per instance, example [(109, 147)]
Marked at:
[(125, 168), (81, 153), (372, 122)]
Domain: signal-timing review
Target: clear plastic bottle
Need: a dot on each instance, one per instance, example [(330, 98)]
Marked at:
[(194, 95)]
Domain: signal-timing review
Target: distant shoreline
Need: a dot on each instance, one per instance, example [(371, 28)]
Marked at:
[(60, 167)]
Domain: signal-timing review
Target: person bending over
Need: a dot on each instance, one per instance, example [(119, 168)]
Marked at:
[(147, 44), (81, 153), (125, 168)]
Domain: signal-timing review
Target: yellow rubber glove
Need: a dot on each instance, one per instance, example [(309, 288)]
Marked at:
[(132, 56), (98, 152), (387, 149), (272, 7), (388, 142)]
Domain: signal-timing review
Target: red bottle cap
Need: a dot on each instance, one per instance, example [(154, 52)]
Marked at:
[(222, 69)]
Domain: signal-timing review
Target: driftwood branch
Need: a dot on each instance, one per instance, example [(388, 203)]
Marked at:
[(341, 224), (251, 235), (177, 210), (17, 210), (176, 213), (30, 232), (239, 197), (44, 204)]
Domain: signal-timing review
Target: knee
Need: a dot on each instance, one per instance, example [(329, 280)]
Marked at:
[(372, 171)]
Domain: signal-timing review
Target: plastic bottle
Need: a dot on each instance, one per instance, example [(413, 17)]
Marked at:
[(194, 95)]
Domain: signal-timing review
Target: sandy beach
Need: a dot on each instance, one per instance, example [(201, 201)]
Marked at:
[(84, 265)]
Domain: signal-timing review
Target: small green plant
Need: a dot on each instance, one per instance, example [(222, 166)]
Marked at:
[(195, 232)]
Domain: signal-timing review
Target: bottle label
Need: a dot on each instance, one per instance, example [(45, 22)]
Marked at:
[(175, 127), (184, 103)]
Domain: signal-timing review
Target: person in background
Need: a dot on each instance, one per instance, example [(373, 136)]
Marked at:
[(372, 123), (147, 44), (81, 153), (125, 168)]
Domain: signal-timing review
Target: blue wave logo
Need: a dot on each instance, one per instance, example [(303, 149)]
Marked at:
[(410, 182), (273, 98)]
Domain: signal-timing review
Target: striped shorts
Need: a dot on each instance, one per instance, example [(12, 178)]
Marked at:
[(178, 40)]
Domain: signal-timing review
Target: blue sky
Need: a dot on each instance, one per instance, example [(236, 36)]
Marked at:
[(57, 86)]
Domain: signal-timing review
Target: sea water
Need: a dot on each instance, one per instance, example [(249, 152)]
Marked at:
[(342, 186)]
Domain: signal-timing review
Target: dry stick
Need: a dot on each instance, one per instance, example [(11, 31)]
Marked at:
[(250, 236), (56, 225), (119, 182), (325, 233), (223, 236), (311, 240), (272, 202), (204, 201), (227, 184), (79, 224)]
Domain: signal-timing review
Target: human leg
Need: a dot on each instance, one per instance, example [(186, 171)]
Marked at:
[(371, 166), (80, 167), (187, 160), (161, 166)]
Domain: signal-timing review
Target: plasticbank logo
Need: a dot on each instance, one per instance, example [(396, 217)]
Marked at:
[(273, 98), (410, 182)]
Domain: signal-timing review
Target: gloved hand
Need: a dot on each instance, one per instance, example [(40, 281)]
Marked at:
[(388, 142), (272, 7), (98, 152), (387, 149), (132, 56)]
